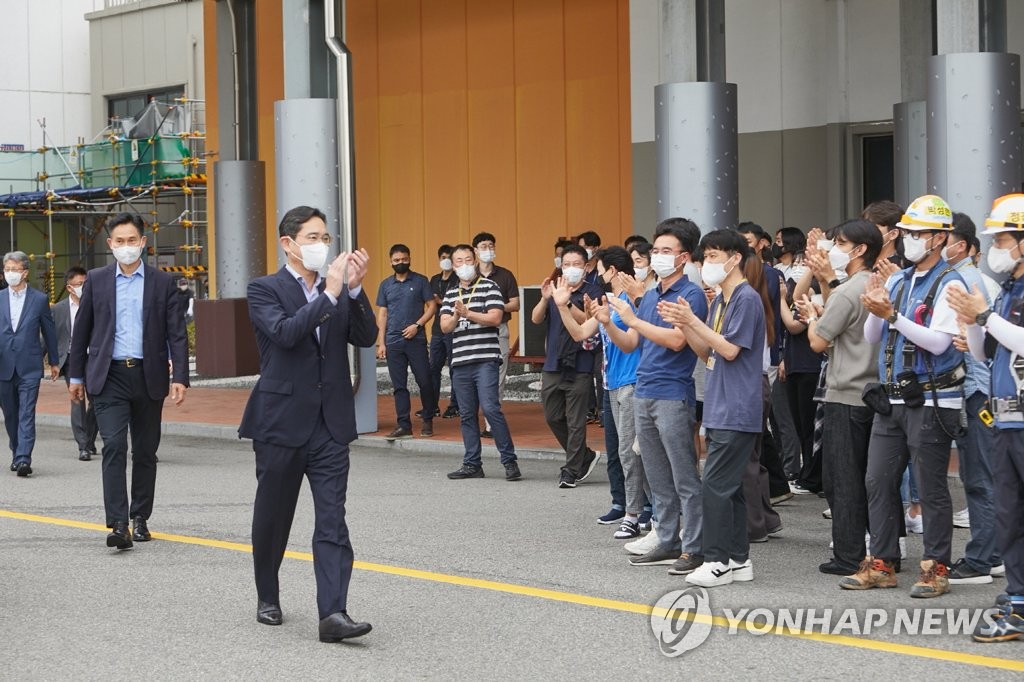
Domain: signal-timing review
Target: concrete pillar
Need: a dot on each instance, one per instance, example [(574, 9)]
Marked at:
[(910, 151), (678, 41), (240, 214)]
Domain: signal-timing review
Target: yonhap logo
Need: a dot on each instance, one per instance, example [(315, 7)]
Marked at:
[(681, 621)]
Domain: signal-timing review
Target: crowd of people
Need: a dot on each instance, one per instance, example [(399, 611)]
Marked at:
[(842, 363)]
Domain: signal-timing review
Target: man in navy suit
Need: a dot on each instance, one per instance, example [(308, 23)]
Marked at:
[(301, 415), (83, 417), (127, 328), (24, 314)]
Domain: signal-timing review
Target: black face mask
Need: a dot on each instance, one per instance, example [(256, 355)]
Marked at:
[(777, 251), (606, 286), (400, 268)]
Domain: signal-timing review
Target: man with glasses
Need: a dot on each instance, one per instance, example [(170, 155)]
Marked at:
[(24, 315), (405, 304), (301, 414)]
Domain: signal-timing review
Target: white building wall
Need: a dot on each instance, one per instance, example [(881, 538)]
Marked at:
[(44, 71)]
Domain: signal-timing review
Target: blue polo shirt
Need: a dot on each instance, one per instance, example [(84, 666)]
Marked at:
[(404, 301), (665, 374)]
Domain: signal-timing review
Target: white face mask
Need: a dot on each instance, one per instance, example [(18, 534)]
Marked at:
[(13, 278), (1000, 260), (465, 272), (572, 275), (126, 255), (486, 255), (915, 249), (713, 274), (446, 264), (640, 272), (77, 291), (314, 256), (838, 259), (558, 262), (663, 264), (946, 255), (590, 254), (692, 273), (825, 244)]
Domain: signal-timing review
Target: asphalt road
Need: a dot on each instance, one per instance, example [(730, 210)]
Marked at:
[(183, 607)]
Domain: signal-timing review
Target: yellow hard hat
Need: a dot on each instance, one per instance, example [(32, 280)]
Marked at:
[(930, 212), (1007, 215)]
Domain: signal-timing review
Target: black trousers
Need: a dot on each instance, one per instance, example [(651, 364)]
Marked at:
[(800, 389), (279, 472), (123, 407), (844, 465), (1008, 474)]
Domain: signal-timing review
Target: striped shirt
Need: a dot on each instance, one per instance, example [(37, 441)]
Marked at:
[(472, 342)]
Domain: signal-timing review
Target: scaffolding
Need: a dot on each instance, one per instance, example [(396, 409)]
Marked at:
[(153, 164)]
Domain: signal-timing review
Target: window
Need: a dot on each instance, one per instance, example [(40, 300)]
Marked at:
[(877, 179), (132, 104)]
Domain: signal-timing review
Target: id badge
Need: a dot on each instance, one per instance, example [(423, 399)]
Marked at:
[(711, 362)]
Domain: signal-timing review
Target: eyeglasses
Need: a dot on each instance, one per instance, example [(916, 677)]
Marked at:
[(314, 238)]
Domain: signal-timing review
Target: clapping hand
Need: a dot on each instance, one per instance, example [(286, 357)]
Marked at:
[(561, 293), (634, 288), (598, 309), (886, 268), (625, 310), (546, 288), (875, 298), (678, 313), (967, 306), (807, 307)]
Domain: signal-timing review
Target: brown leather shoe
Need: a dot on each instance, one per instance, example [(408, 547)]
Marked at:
[(871, 573)]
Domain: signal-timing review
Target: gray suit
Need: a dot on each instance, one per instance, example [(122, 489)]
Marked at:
[(83, 418)]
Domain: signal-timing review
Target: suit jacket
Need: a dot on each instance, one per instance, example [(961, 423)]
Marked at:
[(62, 321), (21, 351), (299, 376), (163, 332)]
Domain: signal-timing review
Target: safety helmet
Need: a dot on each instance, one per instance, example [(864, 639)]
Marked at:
[(1007, 215), (930, 212)]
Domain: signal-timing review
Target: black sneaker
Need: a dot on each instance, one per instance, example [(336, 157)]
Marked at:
[(686, 563), (961, 573), (512, 472), (467, 471), (589, 465), (659, 556), (645, 521), (566, 480), (611, 517), (437, 413), (832, 567), (486, 433), (627, 530), (399, 434), (450, 413)]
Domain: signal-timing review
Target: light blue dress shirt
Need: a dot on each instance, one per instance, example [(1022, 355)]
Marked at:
[(128, 313), (17, 299)]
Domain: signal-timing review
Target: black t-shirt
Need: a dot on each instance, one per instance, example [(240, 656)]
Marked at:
[(440, 286), (507, 284)]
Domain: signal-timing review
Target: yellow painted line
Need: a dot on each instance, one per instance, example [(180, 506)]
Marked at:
[(569, 598)]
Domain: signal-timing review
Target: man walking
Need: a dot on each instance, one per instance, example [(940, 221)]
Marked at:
[(127, 328), (83, 416), (24, 315), (301, 415)]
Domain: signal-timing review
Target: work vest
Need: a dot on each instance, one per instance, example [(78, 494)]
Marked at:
[(1009, 306)]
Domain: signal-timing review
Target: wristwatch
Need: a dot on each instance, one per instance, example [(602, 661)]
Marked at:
[(419, 325), (982, 318), (834, 283), (892, 318)]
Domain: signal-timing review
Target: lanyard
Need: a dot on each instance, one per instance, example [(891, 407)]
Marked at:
[(466, 302), (720, 312)]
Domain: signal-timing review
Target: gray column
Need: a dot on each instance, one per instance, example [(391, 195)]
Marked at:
[(306, 152), (974, 129), (957, 26), (240, 215), (697, 160), (910, 151), (678, 41)]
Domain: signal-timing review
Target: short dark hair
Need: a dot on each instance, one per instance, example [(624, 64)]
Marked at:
[(443, 249), (683, 229), (794, 240), (634, 239), (294, 219), (484, 237), (74, 271), (575, 248), (126, 218), (861, 231), (616, 257), (747, 227), (963, 227), (464, 247), (975, 244), (726, 240), (642, 249), (886, 213), (590, 238), (399, 248)]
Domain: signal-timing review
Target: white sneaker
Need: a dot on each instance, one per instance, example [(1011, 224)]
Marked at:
[(798, 489), (915, 524), (962, 519), (827, 514), (741, 573), (903, 548), (643, 545), (999, 570), (590, 469), (867, 544), (711, 574)]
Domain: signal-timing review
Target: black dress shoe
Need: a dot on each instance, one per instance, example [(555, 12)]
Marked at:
[(119, 536), (832, 567), (85, 456), (339, 626), (267, 613), (140, 531), (14, 467), (24, 470)]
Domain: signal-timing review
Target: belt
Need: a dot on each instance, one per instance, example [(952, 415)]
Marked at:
[(953, 377), (127, 362)]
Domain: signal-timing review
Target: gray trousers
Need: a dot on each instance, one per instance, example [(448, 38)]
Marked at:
[(725, 505), (783, 427), (913, 432), (637, 490), (665, 431), (761, 516)]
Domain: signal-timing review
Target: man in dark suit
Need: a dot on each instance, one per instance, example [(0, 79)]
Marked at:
[(301, 415), (24, 314), (127, 328), (83, 416)]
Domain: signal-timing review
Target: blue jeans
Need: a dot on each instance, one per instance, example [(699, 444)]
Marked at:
[(402, 356), (477, 387), (440, 354), (616, 479), (975, 452)]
